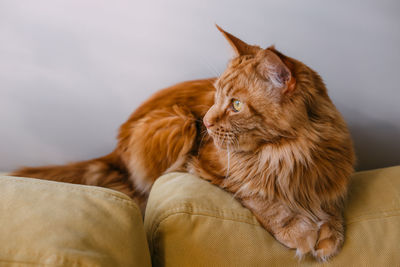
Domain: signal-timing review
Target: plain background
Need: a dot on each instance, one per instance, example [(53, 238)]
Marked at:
[(72, 71)]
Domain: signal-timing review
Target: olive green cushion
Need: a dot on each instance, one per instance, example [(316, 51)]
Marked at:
[(190, 222), (45, 223)]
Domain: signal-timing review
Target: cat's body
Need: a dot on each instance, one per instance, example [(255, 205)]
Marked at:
[(161, 134), (271, 136)]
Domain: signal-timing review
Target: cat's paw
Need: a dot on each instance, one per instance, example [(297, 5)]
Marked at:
[(300, 234), (329, 242), (305, 243)]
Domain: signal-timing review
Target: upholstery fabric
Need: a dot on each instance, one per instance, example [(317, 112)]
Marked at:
[(44, 223), (190, 222)]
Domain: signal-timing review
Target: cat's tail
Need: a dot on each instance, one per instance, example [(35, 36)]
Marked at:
[(107, 171)]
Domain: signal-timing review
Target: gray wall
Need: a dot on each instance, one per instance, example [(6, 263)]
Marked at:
[(72, 71)]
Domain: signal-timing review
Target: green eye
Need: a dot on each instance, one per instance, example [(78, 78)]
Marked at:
[(236, 105)]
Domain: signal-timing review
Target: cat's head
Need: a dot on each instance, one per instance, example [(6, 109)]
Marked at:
[(256, 100)]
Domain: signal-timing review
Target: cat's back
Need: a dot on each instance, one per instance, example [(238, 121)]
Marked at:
[(196, 96)]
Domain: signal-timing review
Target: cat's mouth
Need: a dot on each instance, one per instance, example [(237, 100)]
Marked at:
[(224, 139)]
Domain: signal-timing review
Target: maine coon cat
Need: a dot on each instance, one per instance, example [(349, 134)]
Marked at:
[(265, 130)]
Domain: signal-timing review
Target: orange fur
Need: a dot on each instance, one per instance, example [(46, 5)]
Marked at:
[(286, 155)]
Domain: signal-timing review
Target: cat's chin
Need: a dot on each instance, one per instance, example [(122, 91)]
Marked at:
[(222, 145), (230, 147)]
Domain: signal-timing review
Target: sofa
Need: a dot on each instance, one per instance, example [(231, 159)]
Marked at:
[(188, 222)]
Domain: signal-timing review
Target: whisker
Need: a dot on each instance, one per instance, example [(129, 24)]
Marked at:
[(203, 135), (211, 68), (236, 142), (229, 161), (223, 139)]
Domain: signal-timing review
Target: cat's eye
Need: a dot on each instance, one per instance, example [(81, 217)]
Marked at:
[(236, 105)]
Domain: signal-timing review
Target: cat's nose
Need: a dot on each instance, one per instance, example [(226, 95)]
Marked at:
[(207, 123)]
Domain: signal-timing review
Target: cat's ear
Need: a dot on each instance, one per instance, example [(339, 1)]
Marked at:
[(240, 47), (272, 68)]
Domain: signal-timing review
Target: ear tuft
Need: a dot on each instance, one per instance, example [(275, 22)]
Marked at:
[(240, 47)]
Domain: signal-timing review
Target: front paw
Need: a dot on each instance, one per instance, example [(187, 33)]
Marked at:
[(330, 240), (300, 234)]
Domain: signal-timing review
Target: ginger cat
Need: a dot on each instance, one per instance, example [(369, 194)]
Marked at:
[(266, 131)]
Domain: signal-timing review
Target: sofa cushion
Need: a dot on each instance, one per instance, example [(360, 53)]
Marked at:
[(58, 224), (190, 222)]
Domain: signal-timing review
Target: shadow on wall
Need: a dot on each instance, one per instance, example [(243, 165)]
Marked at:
[(377, 143)]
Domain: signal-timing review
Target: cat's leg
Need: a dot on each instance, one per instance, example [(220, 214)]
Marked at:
[(290, 228), (157, 143), (323, 239)]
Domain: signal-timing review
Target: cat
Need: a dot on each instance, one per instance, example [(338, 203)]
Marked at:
[(265, 130)]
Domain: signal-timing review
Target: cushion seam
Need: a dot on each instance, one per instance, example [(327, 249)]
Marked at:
[(356, 218), (202, 211), (240, 218), (373, 218), (156, 226), (77, 188), (44, 264), (28, 262), (65, 184)]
